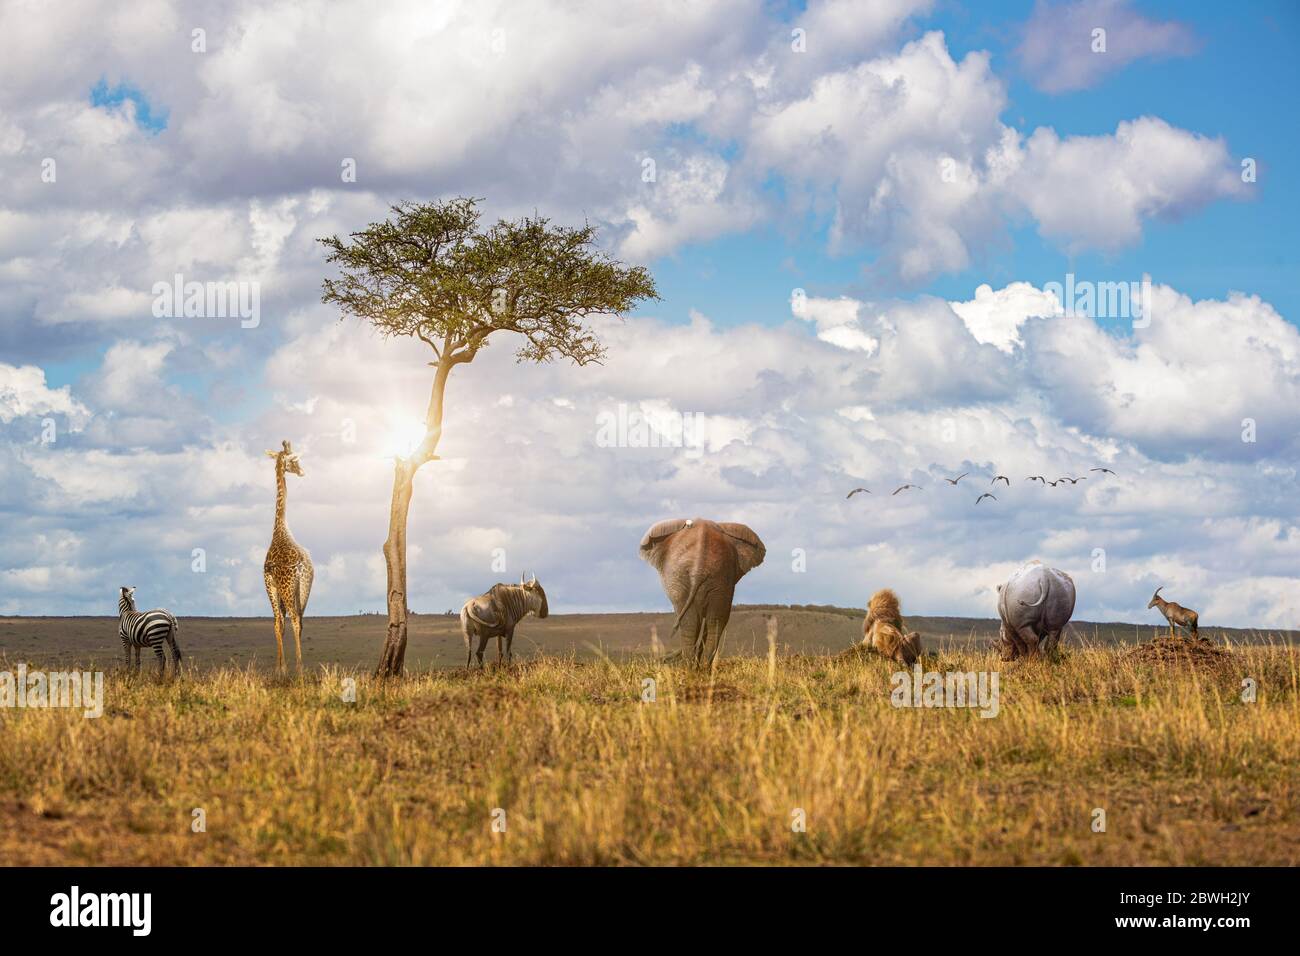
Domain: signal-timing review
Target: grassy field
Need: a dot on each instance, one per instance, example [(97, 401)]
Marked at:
[(715, 770)]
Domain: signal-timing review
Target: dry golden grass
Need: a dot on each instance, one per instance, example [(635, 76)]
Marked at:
[(711, 772)]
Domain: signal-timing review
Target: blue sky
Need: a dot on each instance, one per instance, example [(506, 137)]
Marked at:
[(1239, 86), (777, 170)]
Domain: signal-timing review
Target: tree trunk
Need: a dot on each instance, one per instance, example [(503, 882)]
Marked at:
[(393, 657)]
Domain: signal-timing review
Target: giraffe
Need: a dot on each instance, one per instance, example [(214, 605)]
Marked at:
[(288, 571)]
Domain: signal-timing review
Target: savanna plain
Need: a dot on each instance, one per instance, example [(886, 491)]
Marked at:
[(782, 754)]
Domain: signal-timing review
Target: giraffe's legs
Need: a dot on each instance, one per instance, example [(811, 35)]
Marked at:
[(279, 642), (297, 638)]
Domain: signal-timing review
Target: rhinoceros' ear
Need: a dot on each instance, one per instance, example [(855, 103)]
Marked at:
[(658, 534), (749, 549)]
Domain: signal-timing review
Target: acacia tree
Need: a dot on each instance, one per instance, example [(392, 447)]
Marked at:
[(429, 272)]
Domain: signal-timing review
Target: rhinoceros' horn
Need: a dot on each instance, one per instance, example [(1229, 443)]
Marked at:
[(1042, 586)]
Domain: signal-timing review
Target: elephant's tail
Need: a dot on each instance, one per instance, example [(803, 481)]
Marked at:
[(1042, 595), (690, 599)]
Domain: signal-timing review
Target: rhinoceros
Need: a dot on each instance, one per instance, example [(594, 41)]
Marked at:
[(1035, 605)]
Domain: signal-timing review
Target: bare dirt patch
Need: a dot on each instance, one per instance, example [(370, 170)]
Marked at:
[(1194, 651)]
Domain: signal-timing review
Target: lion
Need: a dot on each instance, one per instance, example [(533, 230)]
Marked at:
[(884, 632)]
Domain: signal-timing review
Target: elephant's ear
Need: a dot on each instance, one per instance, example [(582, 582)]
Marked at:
[(657, 534), (749, 548)]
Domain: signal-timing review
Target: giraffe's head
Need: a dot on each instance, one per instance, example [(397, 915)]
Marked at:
[(287, 458)]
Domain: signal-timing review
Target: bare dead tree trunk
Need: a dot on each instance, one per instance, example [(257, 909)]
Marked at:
[(392, 660)]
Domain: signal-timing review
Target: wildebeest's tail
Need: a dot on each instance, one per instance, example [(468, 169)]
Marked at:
[(464, 630)]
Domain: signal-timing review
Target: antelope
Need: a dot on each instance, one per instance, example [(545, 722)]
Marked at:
[(1174, 613)]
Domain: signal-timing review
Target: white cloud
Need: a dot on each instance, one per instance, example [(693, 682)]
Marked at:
[(994, 318), (1060, 50), (902, 149), (1095, 192), (792, 422), (23, 392), (836, 321)]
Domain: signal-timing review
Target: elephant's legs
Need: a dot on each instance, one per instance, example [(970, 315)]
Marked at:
[(712, 642)]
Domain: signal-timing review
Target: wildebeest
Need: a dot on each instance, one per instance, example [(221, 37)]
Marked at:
[(496, 612), (1034, 606)]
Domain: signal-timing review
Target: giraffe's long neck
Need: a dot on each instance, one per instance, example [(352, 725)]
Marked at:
[(280, 490)]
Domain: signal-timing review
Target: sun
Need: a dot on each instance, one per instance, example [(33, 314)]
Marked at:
[(403, 438)]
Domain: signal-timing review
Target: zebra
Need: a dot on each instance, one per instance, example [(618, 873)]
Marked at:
[(139, 629), (497, 612)]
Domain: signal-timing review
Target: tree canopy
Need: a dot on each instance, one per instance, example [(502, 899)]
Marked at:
[(431, 273)]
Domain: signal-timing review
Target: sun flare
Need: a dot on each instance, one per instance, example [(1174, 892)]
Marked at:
[(403, 438)]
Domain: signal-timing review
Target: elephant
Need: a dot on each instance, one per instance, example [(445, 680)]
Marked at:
[(699, 562), (1034, 605)]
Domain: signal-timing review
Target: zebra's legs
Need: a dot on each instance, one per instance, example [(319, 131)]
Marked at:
[(297, 639), (137, 658), (162, 659), (279, 641)]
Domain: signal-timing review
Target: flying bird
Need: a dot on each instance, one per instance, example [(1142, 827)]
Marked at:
[(855, 491), (1055, 483), (1106, 470), (904, 488), (1073, 481), (953, 481), (1036, 478), (1002, 478), (985, 495)]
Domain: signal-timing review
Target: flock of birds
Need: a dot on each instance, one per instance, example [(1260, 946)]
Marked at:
[(988, 494)]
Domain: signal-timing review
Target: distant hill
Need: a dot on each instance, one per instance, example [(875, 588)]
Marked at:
[(435, 639)]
